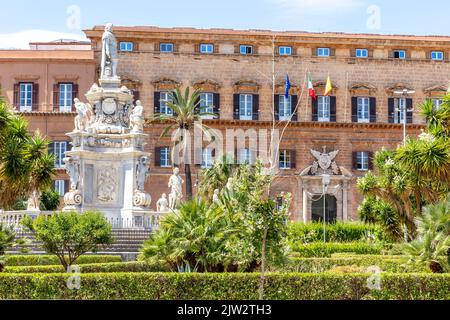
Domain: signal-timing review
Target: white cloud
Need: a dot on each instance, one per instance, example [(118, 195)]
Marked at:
[(316, 7), (21, 40)]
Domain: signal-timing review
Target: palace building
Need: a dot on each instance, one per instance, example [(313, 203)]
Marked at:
[(335, 134)]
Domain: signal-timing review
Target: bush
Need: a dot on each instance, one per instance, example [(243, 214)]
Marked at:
[(93, 268), (46, 260), (319, 265), (50, 200), (338, 232), (320, 249), (190, 286)]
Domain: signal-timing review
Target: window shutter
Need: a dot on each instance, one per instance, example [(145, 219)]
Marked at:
[(277, 107), (293, 154), (332, 52), (371, 160), (158, 157), (353, 53), (157, 98), (315, 109), (35, 106), (391, 109), (354, 109), (409, 114), (256, 107), (355, 160), (136, 95), (16, 98), (373, 110), (294, 107), (198, 159), (236, 106), (51, 148), (333, 109), (56, 97), (216, 101)]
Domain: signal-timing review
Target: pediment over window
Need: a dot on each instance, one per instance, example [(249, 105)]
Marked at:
[(130, 82), (397, 87), (436, 91), (363, 89), (320, 86), (165, 84), (281, 87), (247, 86), (207, 85)]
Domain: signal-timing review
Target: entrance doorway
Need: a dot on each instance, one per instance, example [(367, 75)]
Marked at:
[(330, 211)]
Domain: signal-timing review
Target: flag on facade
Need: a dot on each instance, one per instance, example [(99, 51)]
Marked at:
[(311, 91), (288, 87), (328, 87)]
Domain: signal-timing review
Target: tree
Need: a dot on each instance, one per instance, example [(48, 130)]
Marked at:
[(25, 166), (186, 116), (50, 200), (70, 235), (432, 246)]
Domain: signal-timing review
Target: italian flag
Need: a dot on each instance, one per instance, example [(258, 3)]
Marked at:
[(311, 91)]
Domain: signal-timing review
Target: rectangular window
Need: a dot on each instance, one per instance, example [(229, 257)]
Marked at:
[(207, 105), (245, 156), (65, 97), (26, 97), (437, 55), (362, 161), (246, 49), (165, 157), (323, 52), (207, 48), (323, 109), (207, 158), (163, 107), (285, 51), (362, 53), (437, 103), (399, 54), (400, 110), (59, 152), (246, 107), (285, 159), (363, 110), (60, 187), (285, 111), (126, 46), (166, 47)]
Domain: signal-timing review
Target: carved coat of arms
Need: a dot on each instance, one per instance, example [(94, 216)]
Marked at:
[(324, 163)]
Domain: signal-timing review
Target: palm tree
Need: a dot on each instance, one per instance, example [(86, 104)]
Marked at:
[(186, 116), (216, 177), (25, 166)]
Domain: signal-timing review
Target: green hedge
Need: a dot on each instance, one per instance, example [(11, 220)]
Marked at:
[(318, 265), (338, 232), (320, 249), (47, 260), (92, 268), (169, 286)]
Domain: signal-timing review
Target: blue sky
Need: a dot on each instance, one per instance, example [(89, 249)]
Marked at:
[(44, 20)]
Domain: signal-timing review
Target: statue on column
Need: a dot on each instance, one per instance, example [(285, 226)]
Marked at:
[(84, 115), (162, 206), (137, 118), (141, 198), (34, 201), (73, 198), (176, 194), (109, 54)]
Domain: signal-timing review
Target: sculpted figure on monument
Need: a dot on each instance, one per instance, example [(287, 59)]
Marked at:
[(142, 169), (216, 198), (137, 118), (109, 54), (73, 170), (162, 205), (84, 115), (175, 184)]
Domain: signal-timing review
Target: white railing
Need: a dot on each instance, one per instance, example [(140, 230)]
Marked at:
[(148, 222)]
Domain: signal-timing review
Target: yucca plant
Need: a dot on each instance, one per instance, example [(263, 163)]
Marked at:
[(187, 115)]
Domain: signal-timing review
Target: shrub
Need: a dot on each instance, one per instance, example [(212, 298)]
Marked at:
[(93, 268), (45, 260), (339, 232), (50, 200), (191, 286), (320, 249)]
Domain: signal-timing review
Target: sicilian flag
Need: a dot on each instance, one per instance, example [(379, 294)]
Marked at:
[(311, 91), (328, 87), (287, 87)]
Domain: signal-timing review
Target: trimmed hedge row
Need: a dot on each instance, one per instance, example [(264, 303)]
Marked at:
[(319, 265), (170, 286), (320, 249), (338, 232), (48, 260), (92, 268)]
